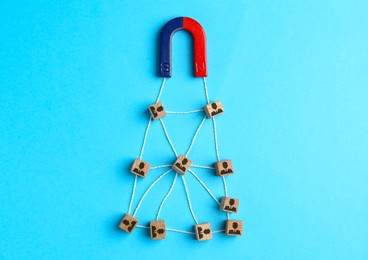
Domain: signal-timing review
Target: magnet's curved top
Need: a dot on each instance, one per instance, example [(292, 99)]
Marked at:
[(199, 38)]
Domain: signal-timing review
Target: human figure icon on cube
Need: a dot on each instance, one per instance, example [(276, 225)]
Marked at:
[(203, 231), (229, 204), (182, 164), (157, 111), (158, 229), (234, 227), (214, 109), (140, 168), (224, 168), (128, 223)]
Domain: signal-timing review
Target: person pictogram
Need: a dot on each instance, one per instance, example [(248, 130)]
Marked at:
[(231, 206), (157, 110), (156, 231), (182, 165), (216, 110), (130, 224), (203, 232), (235, 230), (140, 168), (226, 170)]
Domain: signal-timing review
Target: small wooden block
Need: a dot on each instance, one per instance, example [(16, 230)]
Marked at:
[(214, 109), (203, 231), (157, 111), (128, 223), (182, 164), (140, 168), (234, 227), (224, 168), (229, 204), (158, 229)]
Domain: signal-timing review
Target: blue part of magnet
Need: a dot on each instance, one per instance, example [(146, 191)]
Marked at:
[(165, 45)]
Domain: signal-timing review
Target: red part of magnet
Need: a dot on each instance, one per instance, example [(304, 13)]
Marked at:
[(199, 37)]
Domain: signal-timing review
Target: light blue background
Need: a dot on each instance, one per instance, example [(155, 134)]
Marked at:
[(76, 78)]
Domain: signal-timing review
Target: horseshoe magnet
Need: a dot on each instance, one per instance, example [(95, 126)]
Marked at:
[(199, 37)]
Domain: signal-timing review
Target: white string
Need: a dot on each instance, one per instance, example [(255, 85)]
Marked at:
[(181, 231), (188, 198), (140, 157), (160, 166), (133, 192), (204, 185), (145, 137), (225, 186), (167, 195), (149, 188), (206, 90), (225, 191), (215, 136), (218, 159), (161, 89), (169, 165), (139, 226), (195, 135), (168, 138), (202, 167), (185, 112)]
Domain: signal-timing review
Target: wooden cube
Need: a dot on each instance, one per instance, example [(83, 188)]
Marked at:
[(224, 168), (234, 227), (229, 204), (140, 168), (158, 229), (182, 164), (214, 109), (157, 111), (203, 231), (128, 223)]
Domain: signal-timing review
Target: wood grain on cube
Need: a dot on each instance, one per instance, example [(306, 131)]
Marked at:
[(140, 168)]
